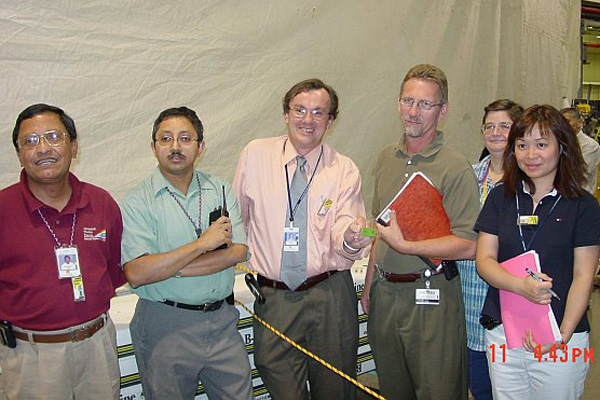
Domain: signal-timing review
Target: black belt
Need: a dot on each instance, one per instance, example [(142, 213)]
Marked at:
[(307, 284), (200, 307)]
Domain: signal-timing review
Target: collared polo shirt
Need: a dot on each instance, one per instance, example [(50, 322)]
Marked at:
[(154, 223), (33, 297), (573, 223), (451, 175)]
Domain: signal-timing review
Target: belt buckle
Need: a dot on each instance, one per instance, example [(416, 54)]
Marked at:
[(206, 307), (427, 273), (79, 335)]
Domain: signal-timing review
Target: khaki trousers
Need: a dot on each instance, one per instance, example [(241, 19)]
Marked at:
[(61, 371)]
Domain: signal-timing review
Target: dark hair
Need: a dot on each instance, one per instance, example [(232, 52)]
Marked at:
[(41, 108), (514, 111), (307, 86), (570, 173), (431, 73), (180, 112)]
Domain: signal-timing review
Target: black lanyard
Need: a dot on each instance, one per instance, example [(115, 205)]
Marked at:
[(539, 227), (287, 180)]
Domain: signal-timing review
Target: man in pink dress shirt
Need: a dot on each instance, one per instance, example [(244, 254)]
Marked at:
[(305, 278)]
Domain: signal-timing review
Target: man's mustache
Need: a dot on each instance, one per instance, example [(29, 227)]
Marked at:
[(176, 153)]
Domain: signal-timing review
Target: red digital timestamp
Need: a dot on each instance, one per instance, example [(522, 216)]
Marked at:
[(558, 353)]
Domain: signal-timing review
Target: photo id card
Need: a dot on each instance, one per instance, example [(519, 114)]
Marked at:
[(78, 292), (67, 261), (427, 296), (291, 239)]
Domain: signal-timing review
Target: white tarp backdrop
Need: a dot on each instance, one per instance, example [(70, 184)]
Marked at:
[(114, 65)]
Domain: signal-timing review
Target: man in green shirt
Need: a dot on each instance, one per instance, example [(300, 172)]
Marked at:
[(185, 325)]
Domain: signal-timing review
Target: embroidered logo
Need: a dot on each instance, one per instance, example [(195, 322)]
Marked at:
[(90, 234)]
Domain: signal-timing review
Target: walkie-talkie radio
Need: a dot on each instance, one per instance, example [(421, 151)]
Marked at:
[(7, 335), (217, 213)]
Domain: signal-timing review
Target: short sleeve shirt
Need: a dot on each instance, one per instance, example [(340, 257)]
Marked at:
[(572, 223), (451, 175), (33, 297), (153, 222)]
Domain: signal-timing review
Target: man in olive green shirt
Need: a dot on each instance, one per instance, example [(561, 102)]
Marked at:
[(420, 349)]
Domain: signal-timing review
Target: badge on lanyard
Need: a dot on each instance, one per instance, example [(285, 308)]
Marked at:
[(527, 220), (78, 292), (67, 261), (427, 296), (291, 238), (291, 235)]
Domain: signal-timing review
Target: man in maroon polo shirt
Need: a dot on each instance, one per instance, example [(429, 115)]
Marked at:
[(58, 341)]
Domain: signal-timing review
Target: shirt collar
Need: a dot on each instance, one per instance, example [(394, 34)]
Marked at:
[(290, 153), (160, 184), (431, 149), (552, 193), (79, 199)]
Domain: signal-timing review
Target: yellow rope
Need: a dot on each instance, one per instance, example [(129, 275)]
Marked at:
[(302, 349), (239, 266)]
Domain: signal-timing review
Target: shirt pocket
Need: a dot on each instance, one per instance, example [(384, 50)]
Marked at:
[(323, 215)]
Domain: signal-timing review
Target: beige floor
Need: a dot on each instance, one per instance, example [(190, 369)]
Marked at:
[(592, 385)]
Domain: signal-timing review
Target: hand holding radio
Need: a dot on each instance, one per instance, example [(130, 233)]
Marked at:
[(218, 235), (219, 221)]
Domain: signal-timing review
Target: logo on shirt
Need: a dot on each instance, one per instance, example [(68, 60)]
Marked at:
[(90, 234)]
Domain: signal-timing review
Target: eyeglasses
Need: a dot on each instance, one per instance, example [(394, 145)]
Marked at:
[(183, 140), (503, 127), (422, 105), (317, 115), (52, 138)]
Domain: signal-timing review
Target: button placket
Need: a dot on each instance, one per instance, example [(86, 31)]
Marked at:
[(408, 164)]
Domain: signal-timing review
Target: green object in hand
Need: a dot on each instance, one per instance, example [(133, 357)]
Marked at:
[(369, 232)]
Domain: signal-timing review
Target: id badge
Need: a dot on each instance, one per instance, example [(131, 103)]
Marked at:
[(325, 206), (78, 292), (291, 239), (67, 262), (528, 220), (427, 296)]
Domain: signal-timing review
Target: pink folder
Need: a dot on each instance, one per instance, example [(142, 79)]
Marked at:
[(519, 314)]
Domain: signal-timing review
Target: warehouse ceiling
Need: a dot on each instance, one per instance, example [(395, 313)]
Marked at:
[(590, 26)]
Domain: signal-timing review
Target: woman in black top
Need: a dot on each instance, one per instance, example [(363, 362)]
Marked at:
[(542, 188)]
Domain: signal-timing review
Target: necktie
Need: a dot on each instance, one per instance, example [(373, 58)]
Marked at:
[(293, 263)]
